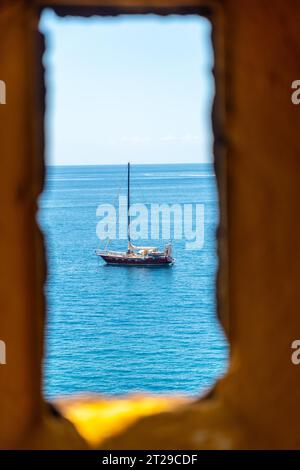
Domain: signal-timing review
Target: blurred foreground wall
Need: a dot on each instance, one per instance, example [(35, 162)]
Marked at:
[(257, 151)]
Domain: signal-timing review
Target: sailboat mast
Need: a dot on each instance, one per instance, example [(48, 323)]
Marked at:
[(128, 204)]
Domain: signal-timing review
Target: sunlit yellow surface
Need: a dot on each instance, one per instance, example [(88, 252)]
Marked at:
[(97, 419)]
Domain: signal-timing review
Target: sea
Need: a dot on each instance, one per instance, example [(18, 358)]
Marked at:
[(118, 330)]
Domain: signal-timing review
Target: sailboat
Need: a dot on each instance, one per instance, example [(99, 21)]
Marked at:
[(137, 255)]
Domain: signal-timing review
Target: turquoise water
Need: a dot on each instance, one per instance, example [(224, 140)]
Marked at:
[(117, 330)]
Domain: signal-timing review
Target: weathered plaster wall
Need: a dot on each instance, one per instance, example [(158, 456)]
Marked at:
[(255, 405), (263, 52), (21, 307)]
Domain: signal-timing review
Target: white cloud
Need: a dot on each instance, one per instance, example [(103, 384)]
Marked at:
[(185, 138)]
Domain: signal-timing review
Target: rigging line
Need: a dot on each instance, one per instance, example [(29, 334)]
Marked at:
[(115, 201), (142, 192), (137, 184)]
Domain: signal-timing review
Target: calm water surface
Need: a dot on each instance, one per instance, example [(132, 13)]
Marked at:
[(118, 330)]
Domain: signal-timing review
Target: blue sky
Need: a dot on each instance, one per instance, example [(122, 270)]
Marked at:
[(131, 88)]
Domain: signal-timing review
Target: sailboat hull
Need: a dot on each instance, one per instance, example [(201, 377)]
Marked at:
[(128, 261)]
